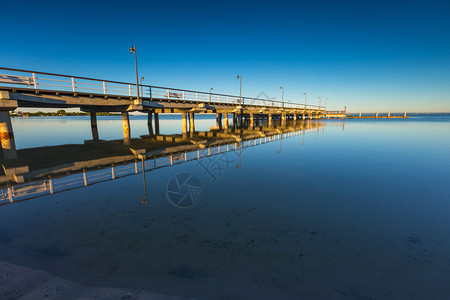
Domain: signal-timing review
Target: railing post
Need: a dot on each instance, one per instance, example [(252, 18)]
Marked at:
[(104, 88), (183, 96), (34, 81), (85, 178), (196, 96), (129, 89), (168, 94), (73, 85), (150, 91)]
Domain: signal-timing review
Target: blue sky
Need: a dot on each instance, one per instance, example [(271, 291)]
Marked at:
[(368, 55)]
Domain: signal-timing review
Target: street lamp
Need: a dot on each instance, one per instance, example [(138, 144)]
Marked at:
[(282, 96), (306, 94), (210, 90), (240, 88), (133, 51), (142, 79)]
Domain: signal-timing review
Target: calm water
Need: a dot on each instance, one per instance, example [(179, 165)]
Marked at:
[(355, 210)]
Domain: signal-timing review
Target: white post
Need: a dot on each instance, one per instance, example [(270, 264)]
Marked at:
[(85, 178), (135, 166), (104, 88), (183, 95), (34, 81), (129, 89), (73, 85)]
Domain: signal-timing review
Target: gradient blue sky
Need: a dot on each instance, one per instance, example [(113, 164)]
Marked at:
[(368, 55)]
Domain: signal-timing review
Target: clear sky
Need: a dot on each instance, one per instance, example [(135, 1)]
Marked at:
[(368, 55)]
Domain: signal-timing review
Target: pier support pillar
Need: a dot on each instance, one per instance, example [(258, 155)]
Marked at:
[(283, 120), (156, 123), (252, 120), (191, 125), (360, 115), (7, 136), (150, 123), (404, 116), (225, 121), (94, 128), (303, 116), (126, 128), (376, 115), (309, 115), (184, 125), (219, 120), (270, 120), (389, 115)]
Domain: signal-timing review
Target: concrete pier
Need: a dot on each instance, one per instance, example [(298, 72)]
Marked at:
[(94, 128), (7, 136), (126, 128), (252, 120), (376, 116), (283, 119), (226, 121), (156, 123), (184, 125), (150, 123), (270, 120), (191, 125)]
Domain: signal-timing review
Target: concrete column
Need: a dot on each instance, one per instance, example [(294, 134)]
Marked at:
[(295, 119), (376, 115), (7, 136), (156, 123), (225, 121), (184, 125), (252, 120), (219, 120), (404, 116), (270, 120), (283, 119), (191, 125), (360, 115), (94, 128), (126, 128), (389, 115), (303, 116), (309, 115), (150, 123)]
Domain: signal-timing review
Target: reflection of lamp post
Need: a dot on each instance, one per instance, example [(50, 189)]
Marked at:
[(240, 88), (144, 199), (133, 51), (239, 165), (210, 91), (142, 79)]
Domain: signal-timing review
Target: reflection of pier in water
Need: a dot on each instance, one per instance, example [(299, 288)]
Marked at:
[(67, 169)]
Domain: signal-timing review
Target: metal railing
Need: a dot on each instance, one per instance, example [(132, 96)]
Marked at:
[(30, 190), (76, 84)]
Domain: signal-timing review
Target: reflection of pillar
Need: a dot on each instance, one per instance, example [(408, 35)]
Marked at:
[(191, 125), (252, 120), (94, 128), (219, 120), (226, 120), (156, 123), (126, 128), (270, 120), (150, 123), (7, 136), (184, 124)]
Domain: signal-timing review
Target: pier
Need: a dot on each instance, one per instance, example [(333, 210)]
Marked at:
[(25, 89)]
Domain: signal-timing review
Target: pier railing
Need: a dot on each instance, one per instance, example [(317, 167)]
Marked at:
[(58, 82)]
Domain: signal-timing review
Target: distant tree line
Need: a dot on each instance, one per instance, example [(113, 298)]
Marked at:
[(60, 112)]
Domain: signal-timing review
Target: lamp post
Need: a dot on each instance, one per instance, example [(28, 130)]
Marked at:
[(282, 96), (210, 90), (306, 94), (142, 79), (133, 51), (240, 88)]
